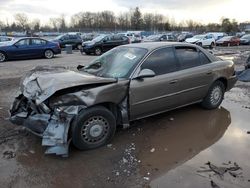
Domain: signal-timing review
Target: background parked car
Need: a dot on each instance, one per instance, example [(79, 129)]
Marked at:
[(103, 43), (202, 40), (88, 36), (182, 37), (217, 35), (245, 39), (6, 39), (71, 39), (228, 41), (160, 37), (28, 47)]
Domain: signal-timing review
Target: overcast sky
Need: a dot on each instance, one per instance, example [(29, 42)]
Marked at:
[(203, 11)]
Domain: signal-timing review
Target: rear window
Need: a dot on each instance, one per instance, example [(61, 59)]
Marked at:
[(203, 58), (38, 42)]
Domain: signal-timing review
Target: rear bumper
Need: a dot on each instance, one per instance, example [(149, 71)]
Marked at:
[(231, 82), (57, 51)]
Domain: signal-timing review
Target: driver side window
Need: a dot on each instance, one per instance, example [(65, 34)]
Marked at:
[(161, 61), (24, 42)]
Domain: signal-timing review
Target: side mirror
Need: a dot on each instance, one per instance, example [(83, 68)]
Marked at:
[(104, 41), (145, 73)]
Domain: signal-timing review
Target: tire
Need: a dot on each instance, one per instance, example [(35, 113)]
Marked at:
[(98, 51), (79, 46), (214, 96), (2, 57), (94, 127), (48, 54), (199, 44), (212, 45)]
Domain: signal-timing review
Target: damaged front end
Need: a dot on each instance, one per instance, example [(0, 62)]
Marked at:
[(52, 125), (51, 98)]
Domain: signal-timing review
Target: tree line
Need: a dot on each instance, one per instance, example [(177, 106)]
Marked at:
[(108, 21)]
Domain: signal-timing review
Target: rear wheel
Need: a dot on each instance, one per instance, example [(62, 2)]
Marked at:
[(98, 51), (49, 54), (2, 57), (214, 96), (93, 128)]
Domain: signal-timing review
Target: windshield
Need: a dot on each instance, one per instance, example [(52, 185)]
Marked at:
[(153, 37), (199, 36), (99, 38), (117, 63), (59, 37), (246, 37)]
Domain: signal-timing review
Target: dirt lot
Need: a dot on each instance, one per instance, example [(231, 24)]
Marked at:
[(168, 150)]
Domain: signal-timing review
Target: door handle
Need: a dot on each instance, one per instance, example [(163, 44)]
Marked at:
[(173, 81)]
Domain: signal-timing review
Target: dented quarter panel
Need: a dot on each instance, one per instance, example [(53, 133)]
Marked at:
[(112, 93)]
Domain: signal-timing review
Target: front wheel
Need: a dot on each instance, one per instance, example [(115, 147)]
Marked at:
[(98, 51), (94, 127), (214, 96), (49, 54), (2, 57), (199, 44), (212, 45)]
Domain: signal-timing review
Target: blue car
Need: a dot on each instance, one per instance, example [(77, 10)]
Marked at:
[(28, 47)]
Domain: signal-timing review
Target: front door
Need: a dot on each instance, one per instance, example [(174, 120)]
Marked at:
[(21, 49), (156, 94)]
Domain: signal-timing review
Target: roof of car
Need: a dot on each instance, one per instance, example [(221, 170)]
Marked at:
[(154, 45)]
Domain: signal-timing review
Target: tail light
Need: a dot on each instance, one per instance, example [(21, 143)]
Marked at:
[(58, 45)]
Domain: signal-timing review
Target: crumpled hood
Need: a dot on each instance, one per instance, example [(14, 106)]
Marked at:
[(192, 40), (42, 82)]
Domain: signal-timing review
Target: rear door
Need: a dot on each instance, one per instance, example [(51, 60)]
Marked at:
[(156, 94), (108, 43), (38, 46), (65, 40), (195, 75)]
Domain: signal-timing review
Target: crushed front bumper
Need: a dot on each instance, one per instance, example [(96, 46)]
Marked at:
[(51, 125)]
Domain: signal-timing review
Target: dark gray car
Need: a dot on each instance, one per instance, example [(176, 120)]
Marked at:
[(127, 83)]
